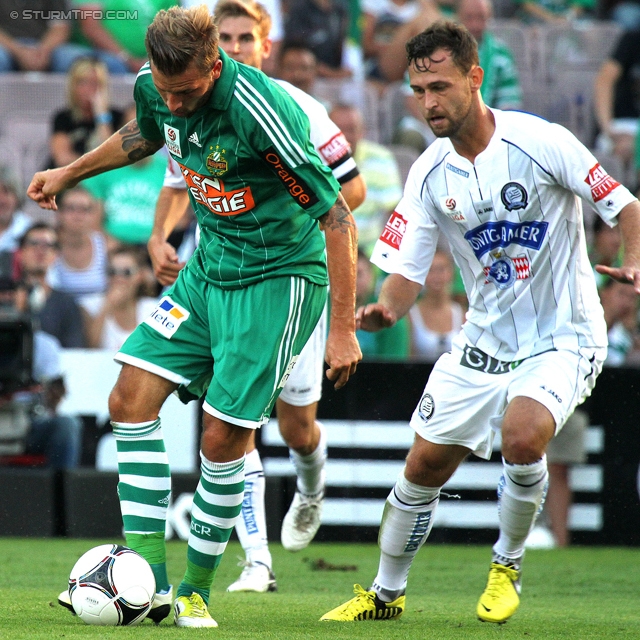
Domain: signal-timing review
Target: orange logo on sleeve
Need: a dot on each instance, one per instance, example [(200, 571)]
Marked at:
[(209, 191)]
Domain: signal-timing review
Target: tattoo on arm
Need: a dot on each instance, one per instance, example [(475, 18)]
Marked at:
[(134, 145), (338, 218)]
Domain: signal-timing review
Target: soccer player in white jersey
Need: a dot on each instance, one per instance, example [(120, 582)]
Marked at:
[(244, 35), (503, 188)]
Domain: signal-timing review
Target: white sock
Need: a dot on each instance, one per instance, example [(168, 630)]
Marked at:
[(310, 469), (251, 526), (406, 523), (521, 494)]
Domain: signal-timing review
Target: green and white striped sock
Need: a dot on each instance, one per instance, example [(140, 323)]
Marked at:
[(144, 490), (216, 507)]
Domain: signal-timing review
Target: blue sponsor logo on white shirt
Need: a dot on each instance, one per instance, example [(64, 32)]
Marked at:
[(460, 172), (499, 234)]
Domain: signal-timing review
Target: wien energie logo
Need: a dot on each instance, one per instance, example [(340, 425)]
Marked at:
[(210, 192)]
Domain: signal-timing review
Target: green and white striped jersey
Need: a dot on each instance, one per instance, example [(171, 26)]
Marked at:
[(255, 181)]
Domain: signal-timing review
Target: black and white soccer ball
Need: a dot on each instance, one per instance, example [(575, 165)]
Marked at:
[(112, 585)]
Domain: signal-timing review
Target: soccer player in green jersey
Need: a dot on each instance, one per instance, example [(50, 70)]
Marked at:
[(243, 27), (241, 310)]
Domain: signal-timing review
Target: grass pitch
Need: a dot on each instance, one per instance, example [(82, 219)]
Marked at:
[(575, 594)]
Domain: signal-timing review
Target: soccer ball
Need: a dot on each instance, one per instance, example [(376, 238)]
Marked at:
[(112, 585)]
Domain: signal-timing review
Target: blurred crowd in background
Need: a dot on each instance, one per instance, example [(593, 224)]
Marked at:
[(67, 69), (572, 61)]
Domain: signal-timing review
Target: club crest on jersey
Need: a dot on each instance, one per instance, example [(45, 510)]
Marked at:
[(393, 231), (217, 164), (502, 272), (514, 196), (505, 270), (600, 182), (167, 317), (450, 208), (172, 140)]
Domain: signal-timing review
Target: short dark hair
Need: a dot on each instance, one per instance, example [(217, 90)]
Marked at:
[(443, 34), (38, 226), (295, 44), (177, 37)]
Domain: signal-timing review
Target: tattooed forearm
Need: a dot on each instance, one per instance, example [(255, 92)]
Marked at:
[(338, 218), (134, 145)]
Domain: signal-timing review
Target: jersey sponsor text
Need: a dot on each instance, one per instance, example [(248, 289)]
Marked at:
[(494, 234), (394, 230), (335, 149), (296, 186), (601, 183), (210, 192)]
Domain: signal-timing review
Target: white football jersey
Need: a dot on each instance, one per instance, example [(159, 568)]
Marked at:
[(325, 136), (514, 222)]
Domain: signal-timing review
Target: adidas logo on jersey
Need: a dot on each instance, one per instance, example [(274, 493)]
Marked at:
[(194, 138)]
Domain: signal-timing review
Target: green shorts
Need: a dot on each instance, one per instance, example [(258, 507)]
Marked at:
[(237, 344)]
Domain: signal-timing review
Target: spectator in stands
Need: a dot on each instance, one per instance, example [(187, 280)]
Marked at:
[(381, 18), (53, 311), (627, 14), (128, 195), (116, 313), (393, 63), (617, 98), (298, 66), (500, 85), (388, 344), (620, 313), (81, 266), (87, 120), (275, 35), (322, 25), (35, 42), (559, 12), (381, 175), (119, 43), (435, 318), (605, 248), (13, 222), (57, 437)]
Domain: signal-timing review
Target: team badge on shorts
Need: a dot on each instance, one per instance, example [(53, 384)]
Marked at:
[(167, 317), (514, 196), (426, 407)]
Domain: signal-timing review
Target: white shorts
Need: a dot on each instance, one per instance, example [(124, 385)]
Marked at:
[(468, 392), (304, 386)]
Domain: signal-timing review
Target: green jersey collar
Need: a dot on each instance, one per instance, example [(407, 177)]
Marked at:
[(225, 84)]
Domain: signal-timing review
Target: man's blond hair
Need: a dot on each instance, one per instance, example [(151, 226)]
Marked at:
[(177, 37), (244, 9)]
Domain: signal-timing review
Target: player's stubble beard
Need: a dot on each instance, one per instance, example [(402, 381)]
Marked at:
[(455, 120)]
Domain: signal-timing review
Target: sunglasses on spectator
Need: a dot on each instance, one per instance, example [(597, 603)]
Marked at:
[(127, 272), (44, 244)]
